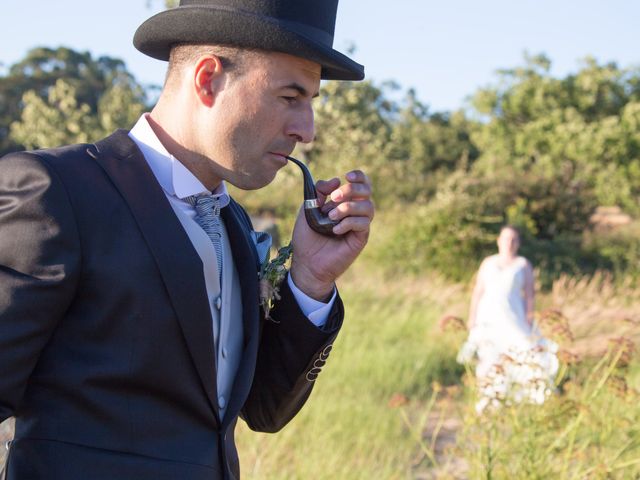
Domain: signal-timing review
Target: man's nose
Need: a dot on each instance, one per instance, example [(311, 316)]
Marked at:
[(301, 127)]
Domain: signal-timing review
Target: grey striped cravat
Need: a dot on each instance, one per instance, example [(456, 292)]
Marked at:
[(208, 217)]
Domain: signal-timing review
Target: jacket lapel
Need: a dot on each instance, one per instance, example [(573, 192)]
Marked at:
[(246, 262), (245, 259), (174, 254)]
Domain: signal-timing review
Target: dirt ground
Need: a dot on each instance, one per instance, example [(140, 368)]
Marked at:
[(449, 466)]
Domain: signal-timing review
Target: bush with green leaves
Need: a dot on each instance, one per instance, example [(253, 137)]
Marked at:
[(453, 232), (60, 96), (617, 250)]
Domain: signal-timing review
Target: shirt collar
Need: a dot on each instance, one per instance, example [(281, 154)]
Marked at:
[(174, 178)]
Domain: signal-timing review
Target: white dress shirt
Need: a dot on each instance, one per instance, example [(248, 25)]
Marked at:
[(178, 183)]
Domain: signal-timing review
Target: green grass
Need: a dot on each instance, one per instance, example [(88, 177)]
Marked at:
[(391, 347), (590, 430), (347, 430)]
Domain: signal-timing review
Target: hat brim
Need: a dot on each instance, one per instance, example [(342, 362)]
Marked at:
[(208, 24)]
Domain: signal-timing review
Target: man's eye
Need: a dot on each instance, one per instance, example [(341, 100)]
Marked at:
[(289, 99)]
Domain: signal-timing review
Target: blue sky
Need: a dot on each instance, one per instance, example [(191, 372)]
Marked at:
[(445, 50)]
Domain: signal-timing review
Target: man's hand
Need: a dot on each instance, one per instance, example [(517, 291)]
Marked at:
[(319, 260)]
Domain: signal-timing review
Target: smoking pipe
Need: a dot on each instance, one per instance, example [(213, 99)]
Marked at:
[(318, 221)]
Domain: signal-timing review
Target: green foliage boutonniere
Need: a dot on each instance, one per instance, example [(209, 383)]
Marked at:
[(272, 272)]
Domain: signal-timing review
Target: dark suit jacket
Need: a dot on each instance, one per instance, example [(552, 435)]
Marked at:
[(106, 349)]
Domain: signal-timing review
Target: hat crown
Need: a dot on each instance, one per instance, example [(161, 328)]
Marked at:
[(319, 14), (303, 28)]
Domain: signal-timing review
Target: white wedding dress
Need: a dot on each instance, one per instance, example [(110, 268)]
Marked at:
[(515, 363)]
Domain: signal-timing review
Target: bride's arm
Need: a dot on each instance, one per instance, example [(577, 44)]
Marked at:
[(529, 293), (478, 290)]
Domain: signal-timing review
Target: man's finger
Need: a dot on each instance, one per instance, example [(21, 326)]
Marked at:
[(352, 224), (352, 209), (358, 176), (351, 191), (328, 206), (325, 187)]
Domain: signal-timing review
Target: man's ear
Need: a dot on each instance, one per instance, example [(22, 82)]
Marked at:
[(207, 79)]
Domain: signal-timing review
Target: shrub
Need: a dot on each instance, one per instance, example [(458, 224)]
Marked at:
[(453, 232)]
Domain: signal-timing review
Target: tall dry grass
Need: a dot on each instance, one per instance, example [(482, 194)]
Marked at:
[(392, 403)]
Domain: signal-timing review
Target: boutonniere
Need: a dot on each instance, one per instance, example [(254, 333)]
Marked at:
[(272, 272)]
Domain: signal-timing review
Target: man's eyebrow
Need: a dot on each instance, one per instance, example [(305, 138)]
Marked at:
[(301, 90)]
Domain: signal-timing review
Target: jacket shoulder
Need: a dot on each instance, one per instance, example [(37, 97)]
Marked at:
[(52, 157), (66, 156)]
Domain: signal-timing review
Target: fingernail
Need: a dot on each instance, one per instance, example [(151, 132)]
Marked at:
[(351, 176), (333, 214)]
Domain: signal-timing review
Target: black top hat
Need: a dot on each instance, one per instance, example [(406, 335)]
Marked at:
[(303, 28)]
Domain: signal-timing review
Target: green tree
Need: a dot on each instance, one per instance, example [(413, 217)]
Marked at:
[(61, 119), (425, 148), (585, 123), (58, 120), (406, 150), (549, 151), (352, 128), (89, 78)]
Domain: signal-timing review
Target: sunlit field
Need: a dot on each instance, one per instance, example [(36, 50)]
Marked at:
[(392, 403)]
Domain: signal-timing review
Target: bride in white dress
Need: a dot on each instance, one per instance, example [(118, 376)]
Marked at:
[(515, 363)]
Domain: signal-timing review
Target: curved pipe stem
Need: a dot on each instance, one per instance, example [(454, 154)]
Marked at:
[(318, 221)]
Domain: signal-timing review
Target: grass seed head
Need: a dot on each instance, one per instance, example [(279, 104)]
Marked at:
[(624, 347), (452, 323), (397, 400)]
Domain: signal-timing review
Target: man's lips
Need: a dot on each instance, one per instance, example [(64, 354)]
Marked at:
[(282, 157)]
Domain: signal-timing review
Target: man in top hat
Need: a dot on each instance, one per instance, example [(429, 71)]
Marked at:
[(131, 336)]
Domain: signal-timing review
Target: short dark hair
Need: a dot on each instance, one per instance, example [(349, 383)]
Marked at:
[(233, 59)]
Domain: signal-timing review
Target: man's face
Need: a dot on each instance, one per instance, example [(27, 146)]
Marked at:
[(259, 116)]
